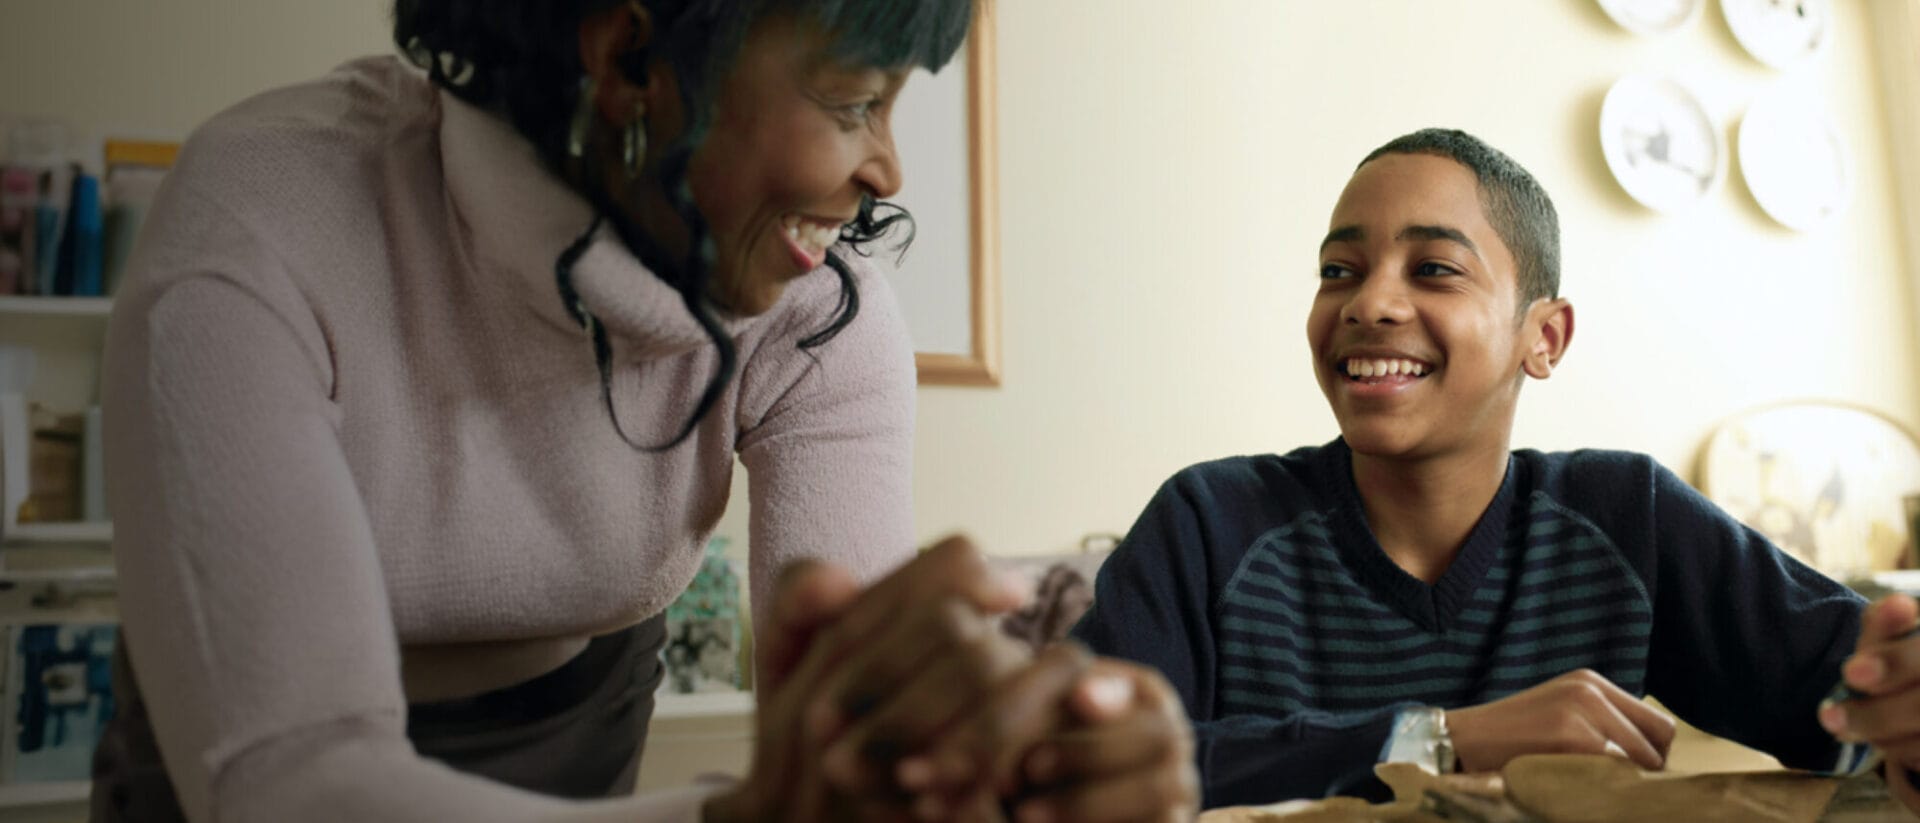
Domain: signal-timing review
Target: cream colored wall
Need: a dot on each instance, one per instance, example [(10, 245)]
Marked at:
[(160, 67), (1165, 180)]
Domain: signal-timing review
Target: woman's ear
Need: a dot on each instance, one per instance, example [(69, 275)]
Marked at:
[(608, 43), (1552, 321)]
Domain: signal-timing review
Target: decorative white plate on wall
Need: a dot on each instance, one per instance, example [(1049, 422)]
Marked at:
[(1794, 162), (1659, 142), (1650, 16), (1824, 482), (1780, 33)]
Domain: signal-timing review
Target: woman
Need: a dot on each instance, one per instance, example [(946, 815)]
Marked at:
[(423, 393)]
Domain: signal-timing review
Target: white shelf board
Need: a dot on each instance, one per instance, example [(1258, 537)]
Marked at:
[(704, 704), (15, 795), (74, 575), (78, 532), (58, 306)]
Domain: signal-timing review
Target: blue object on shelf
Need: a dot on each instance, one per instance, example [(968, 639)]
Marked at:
[(79, 271), (63, 702)]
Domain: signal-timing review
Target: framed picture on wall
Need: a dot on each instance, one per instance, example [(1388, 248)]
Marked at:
[(948, 280)]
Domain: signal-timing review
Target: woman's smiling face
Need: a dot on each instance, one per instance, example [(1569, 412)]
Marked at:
[(798, 139)]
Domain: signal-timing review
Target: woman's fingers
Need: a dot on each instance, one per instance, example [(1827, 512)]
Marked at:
[(923, 701), (807, 595), (952, 571), (988, 742), (1129, 758), (1136, 741)]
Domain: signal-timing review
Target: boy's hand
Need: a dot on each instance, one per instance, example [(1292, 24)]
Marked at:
[(1885, 667), (1579, 712)]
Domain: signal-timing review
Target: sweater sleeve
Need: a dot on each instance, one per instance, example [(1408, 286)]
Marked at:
[(827, 436), (255, 610), (1746, 640), (1154, 604)]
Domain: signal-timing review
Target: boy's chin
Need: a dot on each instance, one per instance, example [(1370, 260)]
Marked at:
[(1383, 441)]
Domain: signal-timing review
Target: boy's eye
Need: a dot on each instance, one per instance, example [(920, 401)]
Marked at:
[(1434, 270), (1332, 271)]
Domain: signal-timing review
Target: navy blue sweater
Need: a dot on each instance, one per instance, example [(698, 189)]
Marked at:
[(1256, 586)]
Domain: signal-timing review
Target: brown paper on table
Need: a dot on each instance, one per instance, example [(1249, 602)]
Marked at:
[(1572, 789), (1588, 788), (1409, 784)]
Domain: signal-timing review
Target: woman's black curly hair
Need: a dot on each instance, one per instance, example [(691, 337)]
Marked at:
[(521, 59)]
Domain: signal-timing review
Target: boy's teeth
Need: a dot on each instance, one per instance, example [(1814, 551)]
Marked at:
[(1385, 368)]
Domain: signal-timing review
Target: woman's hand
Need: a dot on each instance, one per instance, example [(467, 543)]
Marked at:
[(1125, 755), (1069, 738), (851, 681), (808, 596)]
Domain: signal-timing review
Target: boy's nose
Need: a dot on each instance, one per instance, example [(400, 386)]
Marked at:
[(1378, 301)]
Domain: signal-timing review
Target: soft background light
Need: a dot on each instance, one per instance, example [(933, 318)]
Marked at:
[(1166, 172)]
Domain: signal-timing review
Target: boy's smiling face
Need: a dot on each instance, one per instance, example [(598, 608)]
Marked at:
[(1416, 334)]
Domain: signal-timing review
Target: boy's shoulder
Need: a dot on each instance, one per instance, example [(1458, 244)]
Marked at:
[(1605, 468), (1264, 477), (1608, 485)]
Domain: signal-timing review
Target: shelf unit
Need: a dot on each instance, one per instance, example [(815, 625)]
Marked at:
[(19, 795), (61, 321), (67, 335), (707, 704), (42, 533), (667, 707), (96, 307)]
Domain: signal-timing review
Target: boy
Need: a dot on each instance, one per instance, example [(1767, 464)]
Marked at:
[(1415, 591)]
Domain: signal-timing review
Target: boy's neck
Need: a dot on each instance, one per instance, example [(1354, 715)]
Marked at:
[(1421, 510)]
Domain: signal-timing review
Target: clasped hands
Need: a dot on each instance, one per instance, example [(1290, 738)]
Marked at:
[(903, 702)]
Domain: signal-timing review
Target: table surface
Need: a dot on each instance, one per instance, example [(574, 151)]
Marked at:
[(1862, 800)]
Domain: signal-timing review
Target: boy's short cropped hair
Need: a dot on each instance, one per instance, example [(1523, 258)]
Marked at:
[(1519, 209)]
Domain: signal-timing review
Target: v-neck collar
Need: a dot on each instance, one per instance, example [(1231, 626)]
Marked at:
[(1432, 607)]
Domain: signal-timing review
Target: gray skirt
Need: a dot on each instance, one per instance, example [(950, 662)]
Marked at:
[(576, 732)]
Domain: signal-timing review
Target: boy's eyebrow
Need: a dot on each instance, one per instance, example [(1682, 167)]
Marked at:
[(1356, 233), (1344, 234), (1437, 233)]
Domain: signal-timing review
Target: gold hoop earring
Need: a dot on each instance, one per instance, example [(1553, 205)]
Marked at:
[(582, 121), (634, 147)]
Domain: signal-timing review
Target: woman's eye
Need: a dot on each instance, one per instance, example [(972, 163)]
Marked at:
[(1434, 270), (1334, 272), (856, 113)]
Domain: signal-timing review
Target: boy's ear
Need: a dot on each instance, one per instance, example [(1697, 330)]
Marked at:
[(1553, 320)]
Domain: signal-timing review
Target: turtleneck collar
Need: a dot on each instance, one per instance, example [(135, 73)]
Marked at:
[(518, 217)]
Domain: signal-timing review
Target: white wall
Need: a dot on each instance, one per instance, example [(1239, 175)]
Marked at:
[(160, 67), (1167, 169), (1167, 178)]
